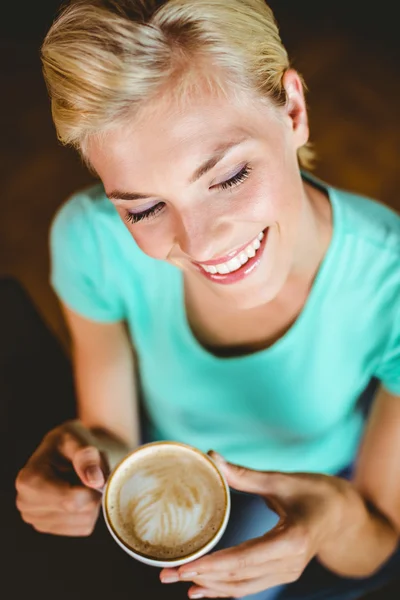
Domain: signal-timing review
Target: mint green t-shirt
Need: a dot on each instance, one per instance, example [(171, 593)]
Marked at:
[(290, 407)]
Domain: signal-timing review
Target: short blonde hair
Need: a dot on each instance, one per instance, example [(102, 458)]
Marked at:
[(104, 60)]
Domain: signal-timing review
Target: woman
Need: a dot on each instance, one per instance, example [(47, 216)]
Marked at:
[(260, 302)]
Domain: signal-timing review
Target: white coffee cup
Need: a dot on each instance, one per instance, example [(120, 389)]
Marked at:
[(166, 504)]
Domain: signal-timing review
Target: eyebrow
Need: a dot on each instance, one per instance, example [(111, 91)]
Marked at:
[(218, 154)]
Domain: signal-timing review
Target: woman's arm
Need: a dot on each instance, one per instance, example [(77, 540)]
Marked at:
[(84, 449), (105, 379), (370, 525)]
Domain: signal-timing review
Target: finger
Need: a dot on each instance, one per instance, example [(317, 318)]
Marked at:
[(170, 576), (247, 480), (55, 522), (249, 572), (56, 454), (63, 442), (40, 490), (238, 589), (39, 510), (257, 551), (66, 530), (39, 485), (80, 499), (88, 464), (197, 592), (77, 447)]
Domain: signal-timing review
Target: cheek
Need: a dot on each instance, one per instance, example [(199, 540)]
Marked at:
[(150, 240), (282, 201), (263, 201)]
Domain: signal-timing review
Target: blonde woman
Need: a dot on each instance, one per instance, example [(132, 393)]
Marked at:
[(248, 302)]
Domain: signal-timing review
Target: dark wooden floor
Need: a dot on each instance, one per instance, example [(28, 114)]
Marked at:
[(347, 52)]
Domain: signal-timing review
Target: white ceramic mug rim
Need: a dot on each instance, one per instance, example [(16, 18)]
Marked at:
[(174, 562)]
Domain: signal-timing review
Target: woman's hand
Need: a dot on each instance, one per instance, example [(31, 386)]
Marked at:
[(57, 490), (310, 509)]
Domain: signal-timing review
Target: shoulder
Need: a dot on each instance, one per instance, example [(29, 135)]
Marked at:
[(82, 210), (368, 243), (368, 221), (88, 233), (88, 223)]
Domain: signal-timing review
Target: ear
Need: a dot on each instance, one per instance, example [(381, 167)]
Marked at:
[(295, 107)]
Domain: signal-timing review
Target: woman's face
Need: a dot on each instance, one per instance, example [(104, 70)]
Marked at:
[(214, 189)]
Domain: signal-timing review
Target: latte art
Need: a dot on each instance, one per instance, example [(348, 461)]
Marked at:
[(167, 503), (165, 507)]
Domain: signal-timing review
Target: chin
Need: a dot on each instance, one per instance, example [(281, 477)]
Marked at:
[(251, 298)]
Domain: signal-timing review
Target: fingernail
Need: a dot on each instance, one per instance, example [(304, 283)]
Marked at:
[(216, 456), (170, 579), (94, 475), (197, 595), (188, 574)]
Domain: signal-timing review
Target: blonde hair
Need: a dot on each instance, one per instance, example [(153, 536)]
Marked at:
[(104, 60)]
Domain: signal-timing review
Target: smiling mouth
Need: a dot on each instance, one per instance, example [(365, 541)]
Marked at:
[(238, 266)]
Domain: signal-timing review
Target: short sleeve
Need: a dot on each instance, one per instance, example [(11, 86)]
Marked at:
[(78, 272), (389, 369)]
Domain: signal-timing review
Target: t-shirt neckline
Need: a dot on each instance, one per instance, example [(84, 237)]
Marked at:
[(322, 275)]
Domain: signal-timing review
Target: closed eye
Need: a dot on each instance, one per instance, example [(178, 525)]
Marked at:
[(237, 179), (146, 214)]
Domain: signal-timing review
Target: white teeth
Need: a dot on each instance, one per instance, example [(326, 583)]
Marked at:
[(222, 269), (238, 261), (250, 251), (209, 269), (234, 264)]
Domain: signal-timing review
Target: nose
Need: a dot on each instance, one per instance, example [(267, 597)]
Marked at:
[(200, 236)]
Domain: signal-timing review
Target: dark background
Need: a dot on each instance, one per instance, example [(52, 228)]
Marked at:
[(349, 56)]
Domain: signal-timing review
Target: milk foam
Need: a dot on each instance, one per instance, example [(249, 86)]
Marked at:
[(167, 502)]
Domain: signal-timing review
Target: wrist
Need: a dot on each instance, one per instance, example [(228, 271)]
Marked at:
[(335, 511), (347, 510), (359, 540)]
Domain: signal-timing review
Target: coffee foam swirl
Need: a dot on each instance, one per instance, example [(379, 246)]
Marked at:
[(164, 508), (169, 503)]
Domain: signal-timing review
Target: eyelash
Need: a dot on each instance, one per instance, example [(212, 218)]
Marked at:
[(236, 179), (152, 212)]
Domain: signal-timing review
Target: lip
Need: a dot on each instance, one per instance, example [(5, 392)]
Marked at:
[(223, 259), (244, 270)]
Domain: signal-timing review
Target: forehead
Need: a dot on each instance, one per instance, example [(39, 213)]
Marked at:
[(183, 133)]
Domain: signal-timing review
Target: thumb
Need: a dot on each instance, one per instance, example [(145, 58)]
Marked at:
[(239, 478), (86, 460), (88, 464)]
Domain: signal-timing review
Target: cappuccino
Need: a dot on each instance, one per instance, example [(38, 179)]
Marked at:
[(166, 502)]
